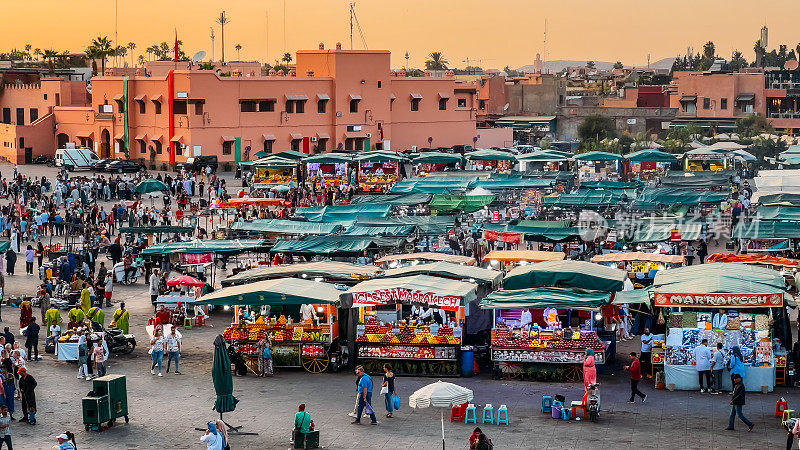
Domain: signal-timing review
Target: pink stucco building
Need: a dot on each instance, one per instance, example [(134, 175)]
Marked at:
[(348, 100)]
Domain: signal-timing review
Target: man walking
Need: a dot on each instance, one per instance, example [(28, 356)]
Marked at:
[(174, 350), (364, 396), (5, 427), (737, 402), (647, 351), (154, 286), (636, 375), (32, 339), (717, 366), (702, 358), (27, 387)]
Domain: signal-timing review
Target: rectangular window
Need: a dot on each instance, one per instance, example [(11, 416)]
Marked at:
[(296, 145), (34, 114), (322, 106), (354, 105), (6, 115), (391, 104), (462, 103), (142, 147), (379, 84), (481, 104), (300, 106), (178, 148), (45, 96), (180, 107), (142, 107), (266, 105), (442, 104), (268, 145), (322, 145), (706, 103), (120, 106), (227, 147), (723, 103), (348, 144), (290, 106), (198, 108), (157, 105), (158, 146), (20, 116), (248, 106), (415, 104)]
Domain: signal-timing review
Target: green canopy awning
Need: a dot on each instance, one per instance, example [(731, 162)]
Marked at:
[(543, 155), (670, 196), (426, 225), (329, 158), (334, 245), (598, 156), (156, 229), (271, 162), (720, 278), (433, 185), (291, 154), (222, 378), (380, 157), (633, 297), (465, 203), (281, 291), (392, 199), (384, 230), (329, 270), (151, 185), (503, 184), (261, 154), (780, 198), (490, 155), (698, 179), (786, 213), (449, 270), (567, 273), (651, 155), (205, 246), (4, 246), (766, 229), (317, 213), (656, 231), (285, 226), (438, 158), (608, 184), (587, 199), (546, 297)]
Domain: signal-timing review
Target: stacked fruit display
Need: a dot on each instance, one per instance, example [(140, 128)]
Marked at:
[(404, 334)]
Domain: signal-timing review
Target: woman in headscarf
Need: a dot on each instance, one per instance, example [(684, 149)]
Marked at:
[(213, 438), (736, 364), (223, 430), (589, 370), (25, 314)]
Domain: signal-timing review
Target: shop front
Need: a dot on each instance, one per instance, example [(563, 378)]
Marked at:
[(378, 170), (330, 168)]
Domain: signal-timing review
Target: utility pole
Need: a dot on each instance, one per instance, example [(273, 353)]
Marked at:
[(213, 59), (351, 25), (266, 33), (116, 34), (223, 20)]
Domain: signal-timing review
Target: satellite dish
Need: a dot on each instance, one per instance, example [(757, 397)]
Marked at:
[(505, 108), (199, 56)]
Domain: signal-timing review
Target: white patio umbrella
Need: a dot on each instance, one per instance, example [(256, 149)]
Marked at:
[(440, 395)]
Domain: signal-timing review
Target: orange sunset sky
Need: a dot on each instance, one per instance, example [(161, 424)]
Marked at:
[(500, 32)]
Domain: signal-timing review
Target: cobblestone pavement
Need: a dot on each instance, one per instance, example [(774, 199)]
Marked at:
[(165, 411)]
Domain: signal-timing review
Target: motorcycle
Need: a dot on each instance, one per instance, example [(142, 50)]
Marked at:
[(593, 401), (339, 358), (43, 160), (119, 274), (119, 342)]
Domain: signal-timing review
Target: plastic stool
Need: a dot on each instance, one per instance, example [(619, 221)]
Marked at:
[(457, 413), (187, 323), (502, 415), (488, 414), (151, 321), (199, 321), (566, 414), (787, 414), (780, 406), (557, 407), (471, 417), (547, 404)]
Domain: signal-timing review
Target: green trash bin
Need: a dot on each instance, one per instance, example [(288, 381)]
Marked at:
[(95, 411), (115, 387)]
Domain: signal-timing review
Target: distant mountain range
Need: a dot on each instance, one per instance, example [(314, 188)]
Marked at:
[(559, 65)]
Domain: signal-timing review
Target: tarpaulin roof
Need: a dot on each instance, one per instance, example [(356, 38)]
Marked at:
[(544, 223), (285, 226), (156, 229), (419, 283), (275, 162), (700, 180), (425, 224), (332, 245), (766, 229), (428, 256), (449, 270), (753, 259), (380, 230), (329, 158), (633, 296), (651, 155), (720, 278), (654, 197), (608, 184), (537, 234), (291, 154), (438, 158), (638, 256), (4, 246), (790, 213), (578, 274), (282, 291), (465, 203), (523, 255), (317, 213), (546, 297), (334, 270), (392, 199), (380, 157), (652, 231), (598, 156), (587, 199), (780, 198), (205, 246), (431, 185), (497, 184), (490, 155), (543, 155)]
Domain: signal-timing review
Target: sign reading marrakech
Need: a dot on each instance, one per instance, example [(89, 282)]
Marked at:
[(399, 295), (719, 300)]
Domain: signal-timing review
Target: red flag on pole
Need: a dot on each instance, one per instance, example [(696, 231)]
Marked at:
[(177, 49)]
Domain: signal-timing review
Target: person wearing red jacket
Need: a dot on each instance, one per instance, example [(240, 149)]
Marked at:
[(636, 375)]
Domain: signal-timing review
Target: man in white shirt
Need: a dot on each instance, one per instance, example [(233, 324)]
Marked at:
[(5, 426), (526, 318), (702, 359), (647, 353), (720, 320), (307, 311), (154, 286), (173, 349)]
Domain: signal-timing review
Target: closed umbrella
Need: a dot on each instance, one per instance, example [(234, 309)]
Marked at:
[(150, 185), (440, 395), (223, 378), (185, 280)]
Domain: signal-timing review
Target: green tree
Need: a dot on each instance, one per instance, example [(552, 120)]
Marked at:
[(511, 72), (767, 148), (618, 65), (140, 60), (238, 48), (590, 64), (595, 128), (49, 56), (753, 125), (436, 61), (103, 48), (131, 46), (709, 55), (737, 61), (37, 52), (760, 51), (287, 58), (206, 66)]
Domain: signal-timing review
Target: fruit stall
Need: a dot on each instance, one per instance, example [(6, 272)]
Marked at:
[(378, 170), (736, 305), (295, 342), (332, 167), (390, 332), (535, 328)]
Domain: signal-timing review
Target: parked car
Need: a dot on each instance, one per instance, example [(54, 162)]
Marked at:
[(124, 165), (102, 165), (198, 163)]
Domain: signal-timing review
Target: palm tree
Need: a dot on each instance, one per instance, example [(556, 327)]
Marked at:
[(163, 51), (104, 48), (37, 52), (93, 54), (48, 56), (120, 51), (131, 47), (28, 48), (238, 48), (287, 58), (141, 60), (436, 61)]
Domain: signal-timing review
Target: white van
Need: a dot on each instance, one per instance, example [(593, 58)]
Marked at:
[(76, 158)]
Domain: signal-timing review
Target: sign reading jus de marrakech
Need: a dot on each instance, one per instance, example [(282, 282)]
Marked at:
[(387, 296), (719, 300)]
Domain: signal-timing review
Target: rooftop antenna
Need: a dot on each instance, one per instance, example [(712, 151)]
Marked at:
[(544, 59), (116, 36), (266, 32), (407, 57), (212, 45), (223, 20), (354, 20), (284, 26)]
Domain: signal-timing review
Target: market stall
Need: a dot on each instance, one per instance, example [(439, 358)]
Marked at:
[(301, 336), (491, 160), (648, 164), (437, 162), (273, 169), (507, 259), (707, 158), (598, 165), (378, 170), (414, 322), (639, 265), (405, 259), (697, 301), (332, 168)]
